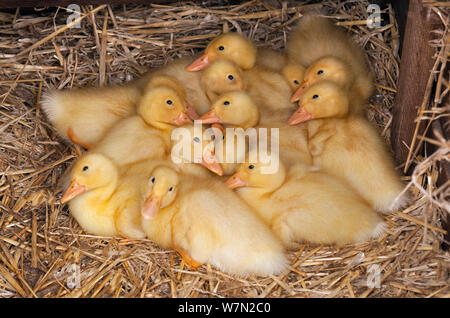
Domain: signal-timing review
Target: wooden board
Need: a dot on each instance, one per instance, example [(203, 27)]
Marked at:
[(416, 63)]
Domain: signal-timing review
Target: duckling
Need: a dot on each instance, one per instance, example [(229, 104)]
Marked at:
[(348, 147), (83, 115), (300, 203), (207, 223), (146, 135), (293, 73), (193, 146), (221, 76), (235, 109), (231, 46), (329, 53), (94, 179)]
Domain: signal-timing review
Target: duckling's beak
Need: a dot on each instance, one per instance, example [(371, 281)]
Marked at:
[(151, 206), (299, 92), (300, 116), (74, 190), (210, 162), (235, 181), (182, 119), (210, 117), (190, 111), (198, 64)]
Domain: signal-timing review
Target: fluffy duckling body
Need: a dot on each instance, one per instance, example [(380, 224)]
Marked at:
[(329, 53), (271, 59), (208, 223), (303, 204), (83, 115), (147, 135), (349, 147)]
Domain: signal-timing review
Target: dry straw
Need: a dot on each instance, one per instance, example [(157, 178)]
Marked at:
[(44, 252)]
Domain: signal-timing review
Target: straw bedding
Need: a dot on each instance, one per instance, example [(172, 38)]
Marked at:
[(44, 252)]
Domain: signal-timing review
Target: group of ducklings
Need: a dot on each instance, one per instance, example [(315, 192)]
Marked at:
[(334, 173)]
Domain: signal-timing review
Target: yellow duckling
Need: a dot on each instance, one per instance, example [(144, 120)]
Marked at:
[(329, 54), (94, 179), (221, 76), (294, 73), (348, 147), (83, 115), (230, 46), (235, 109), (303, 204), (207, 223), (146, 135)]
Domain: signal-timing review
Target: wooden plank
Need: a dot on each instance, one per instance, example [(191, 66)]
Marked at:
[(65, 3), (438, 128), (416, 63)]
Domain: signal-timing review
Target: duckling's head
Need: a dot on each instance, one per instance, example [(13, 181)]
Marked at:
[(234, 108), (222, 76), (293, 73), (90, 172), (195, 144), (162, 107), (252, 174), (231, 46), (160, 191), (324, 99), (327, 68)]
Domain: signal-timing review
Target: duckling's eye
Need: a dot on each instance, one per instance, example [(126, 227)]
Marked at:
[(221, 48), (196, 139), (315, 96), (153, 180), (226, 103), (320, 72), (296, 82), (223, 137), (230, 77), (251, 167), (170, 189), (169, 102), (85, 168)]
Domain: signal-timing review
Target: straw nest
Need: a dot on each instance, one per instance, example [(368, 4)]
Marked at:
[(44, 252)]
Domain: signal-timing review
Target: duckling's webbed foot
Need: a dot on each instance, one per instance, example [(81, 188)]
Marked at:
[(75, 140), (187, 258)]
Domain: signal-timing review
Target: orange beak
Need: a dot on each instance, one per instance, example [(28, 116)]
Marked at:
[(182, 119), (74, 190), (210, 117), (151, 207), (198, 64), (299, 92), (190, 111), (300, 116), (235, 181), (210, 162)]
